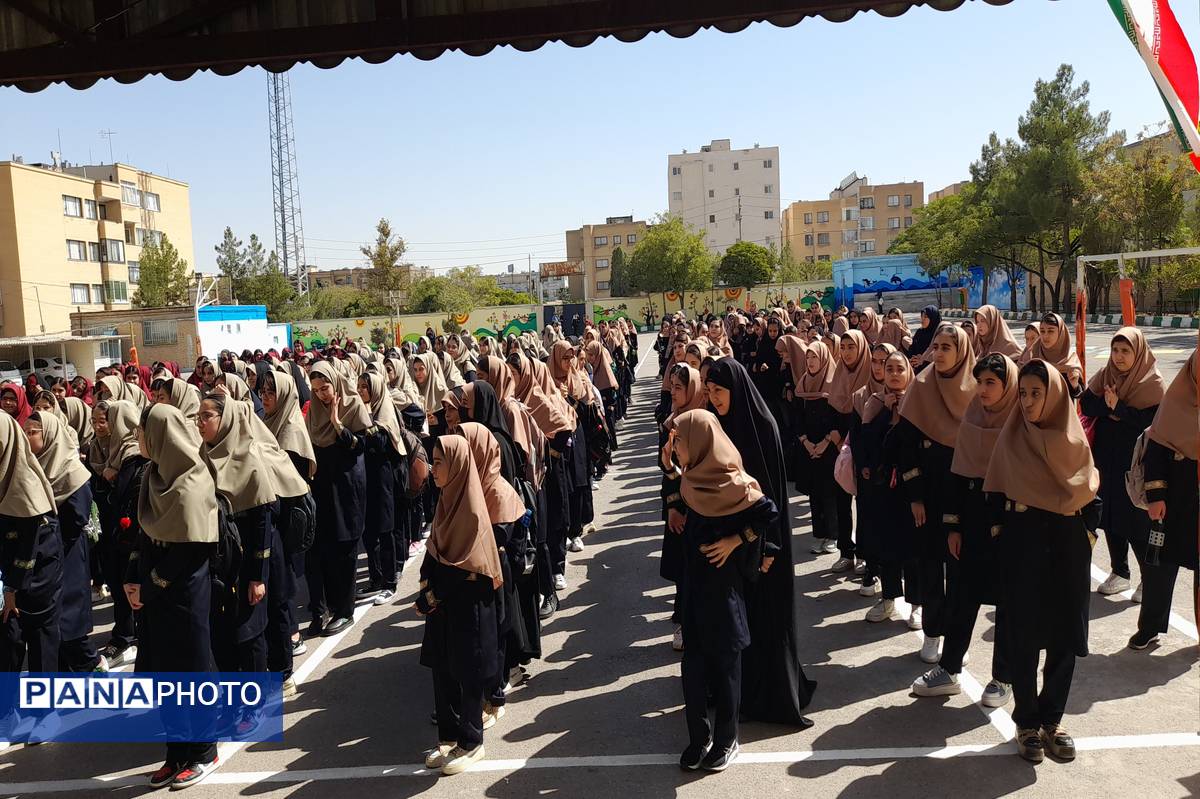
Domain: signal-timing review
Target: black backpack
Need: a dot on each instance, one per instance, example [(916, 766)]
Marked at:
[(298, 523), (416, 465), (226, 562), (522, 544)]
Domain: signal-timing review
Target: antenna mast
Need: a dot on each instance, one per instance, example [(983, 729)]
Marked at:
[(285, 183)]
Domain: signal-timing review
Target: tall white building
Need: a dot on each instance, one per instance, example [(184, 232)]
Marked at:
[(730, 195)]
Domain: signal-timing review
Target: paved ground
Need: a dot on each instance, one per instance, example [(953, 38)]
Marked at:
[(602, 715)]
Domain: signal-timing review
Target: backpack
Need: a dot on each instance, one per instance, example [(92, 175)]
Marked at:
[(298, 523), (416, 463), (522, 545), (226, 561), (1135, 478)]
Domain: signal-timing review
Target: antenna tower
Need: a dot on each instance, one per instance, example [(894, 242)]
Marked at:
[(285, 183)]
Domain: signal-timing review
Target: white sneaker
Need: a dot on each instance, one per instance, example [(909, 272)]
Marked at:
[(383, 597), (289, 688), (437, 757), (459, 760), (560, 582), (1137, 594), (931, 649), (830, 546), (937, 682), (842, 564), (575, 545), (818, 547), (1115, 584), (491, 715), (884, 610), (589, 529), (860, 567), (915, 620), (996, 694), (677, 639), (869, 589)]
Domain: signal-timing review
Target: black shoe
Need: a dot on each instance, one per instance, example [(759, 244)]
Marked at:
[(693, 756), (719, 759), (368, 593), (316, 627), (548, 607), (1141, 640), (336, 626)]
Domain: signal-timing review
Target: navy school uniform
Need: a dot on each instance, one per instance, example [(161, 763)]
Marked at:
[(579, 473), (558, 501), (76, 653), (240, 628), (381, 462), (522, 627), (814, 476), (284, 575), (340, 493), (121, 543), (31, 561), (1170, 477)]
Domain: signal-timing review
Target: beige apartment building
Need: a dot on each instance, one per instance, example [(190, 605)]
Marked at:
[(949, 191), (71, 236), (858, 219), (592, 247), (729, 195)]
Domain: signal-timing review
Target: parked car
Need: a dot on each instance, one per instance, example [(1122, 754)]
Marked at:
[(49, 367), (9, 371)]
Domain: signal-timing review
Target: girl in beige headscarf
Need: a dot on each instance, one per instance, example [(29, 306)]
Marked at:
[(870, 325), (182, 396), (993, 335), (283, 417), (113, 387), (385, 450), (1054, 346), (460, 576), (524, 429), (429, 380), (1042, 466), (400, 384)]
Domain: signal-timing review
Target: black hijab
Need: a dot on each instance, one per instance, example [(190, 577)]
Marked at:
[(303, 392), (774, 688), (486, 411), (924, 336)]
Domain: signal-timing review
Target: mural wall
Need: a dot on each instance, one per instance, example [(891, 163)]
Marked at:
[(999, 291), (884, 273)]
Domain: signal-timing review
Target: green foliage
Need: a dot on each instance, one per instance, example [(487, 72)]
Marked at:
[(746, 264), (793, 270), (461, 290), (165, 277), (388, 276), (671, 257), (333, 302), (268, 286), (618, 280)]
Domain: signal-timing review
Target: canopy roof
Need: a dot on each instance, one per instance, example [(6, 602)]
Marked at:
[(77, 42)]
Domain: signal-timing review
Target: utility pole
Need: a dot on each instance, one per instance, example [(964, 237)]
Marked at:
[(739, 217)]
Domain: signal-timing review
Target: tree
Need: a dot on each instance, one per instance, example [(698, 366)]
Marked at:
[(165, 277), (333, 302), (746, 264), (231, 261), (671, 257), (439, 294), (388, 275), (269, 286), (618, 280), (792, 270), (255, 258)]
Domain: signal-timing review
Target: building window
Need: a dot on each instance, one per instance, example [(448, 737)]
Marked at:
[(93, 251), (676, 195), (116, 291), (103, 210), (76, 251), (71, 206), (768, 214), (129, 194), (808, 219), (150, 201), (908, 221), (808, 259), (849, 236), (710, 167), (866, 246), (89, 209), (157, 332), (866, 223), (141, 236), (712, 218), (97, 292), (768, 163), (631, 238), (822, 257), (711, 193), (822, 239), (893, 200), (893, 223), (822, 216), (908, 201), (112, 251), (599, 241), (768, 189), (601, 285), (849, 214), (769, 241), (79, 294), (808, 239), (602, 263), (135, 272), (675, 170), (866, 202)]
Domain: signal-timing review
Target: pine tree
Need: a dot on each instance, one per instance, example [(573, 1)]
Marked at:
[(165, 277), (231, 261)]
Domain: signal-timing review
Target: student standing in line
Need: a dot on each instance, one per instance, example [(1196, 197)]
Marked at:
[(817, 422), (853, 372), (123, 471), (863, 534), (1042, 465), (1054, 347), (968, 516), (385, 452), (1122, 398)]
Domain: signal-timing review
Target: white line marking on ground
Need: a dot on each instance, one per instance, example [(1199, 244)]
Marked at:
[(1168, 740), (1178, 622)]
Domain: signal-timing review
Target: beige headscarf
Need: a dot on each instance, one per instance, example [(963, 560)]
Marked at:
[(503, 503), (896, 333), (178, 500), (574, 378), (462, 528), (850, 377), (404, 392), (351, 411), (238, 388), (1175, 420), (1045, 463), (59, 457), (1062, 355), (795, 351), (601, 362), (999, 338), (549, 416), (79, 417), (693, 393), (1142, 386), (383, 410), (873, 386), (118, 389), (935, 402), (97, 453), (186, 398), (435, 388), (449, 369), (715, 483), (870, 325), (524, 429), (247, 465), (873, 404), (980, 428), (54, 410), (287, 422), (24, 490), (840, 325), (122, 433)]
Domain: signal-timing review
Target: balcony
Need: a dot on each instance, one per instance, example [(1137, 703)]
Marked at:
[(108, 191)]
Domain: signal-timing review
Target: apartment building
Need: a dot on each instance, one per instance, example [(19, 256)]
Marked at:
[(858, 219), (71, 237), (730, 195), (592, 247), (949, 191)]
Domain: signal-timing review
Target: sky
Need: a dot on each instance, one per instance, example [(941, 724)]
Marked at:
[(489, 160)]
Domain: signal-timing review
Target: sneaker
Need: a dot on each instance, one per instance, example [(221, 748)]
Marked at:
[(1061, 745), (860, 567), (589, 529), (101, 666), (316, 628), (719, 761), (459, 760), (1115, 584), (693, 756), (414, 549), (116, 656), (996, 694), (1137, 594), (824, 546), (1029, 745), (289, 688), (884, 610), (548, 608), (165, 774), (575, 545), (336, 626), (560, 582), (677, 639), (516, 676), (915, 619), (1140, 640), (869, 588), (937, 682), (830, 546), (366, 594), (492, 714), (931, 649), (194, 773), (842, 564), (299, 647), (437, 757), (383, 597)]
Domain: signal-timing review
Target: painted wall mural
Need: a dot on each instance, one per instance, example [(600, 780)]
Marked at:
[(999, 287), (378, 330)]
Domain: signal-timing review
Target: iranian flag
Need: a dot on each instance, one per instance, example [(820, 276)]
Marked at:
[(1152, 28)]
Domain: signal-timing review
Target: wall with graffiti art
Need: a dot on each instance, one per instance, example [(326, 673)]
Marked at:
[(388, 331)]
